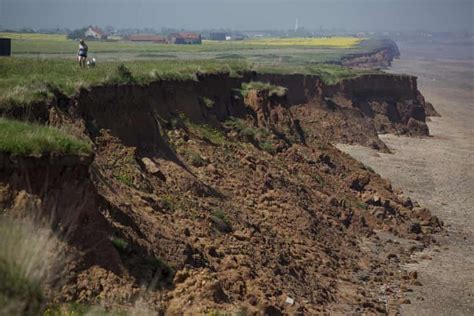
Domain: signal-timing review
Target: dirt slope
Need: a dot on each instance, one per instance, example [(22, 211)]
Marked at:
[(238, 206)]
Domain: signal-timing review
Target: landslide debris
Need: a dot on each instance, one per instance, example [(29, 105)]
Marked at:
[(242, 206)]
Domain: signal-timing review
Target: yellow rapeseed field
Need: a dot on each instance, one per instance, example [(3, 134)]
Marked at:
[(34, 36), (341, 42)]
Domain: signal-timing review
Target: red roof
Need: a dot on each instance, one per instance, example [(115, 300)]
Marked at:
[(146, 38), (97, 30)]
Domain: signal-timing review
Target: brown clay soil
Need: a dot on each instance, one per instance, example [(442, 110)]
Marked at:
[(437, 171), (203, 213)]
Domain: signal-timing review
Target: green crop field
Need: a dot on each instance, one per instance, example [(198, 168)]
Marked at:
[(269, 50)]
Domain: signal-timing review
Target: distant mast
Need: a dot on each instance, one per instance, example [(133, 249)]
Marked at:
[(296, 25)]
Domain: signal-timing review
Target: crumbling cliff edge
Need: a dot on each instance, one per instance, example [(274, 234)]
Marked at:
[(219, 199)]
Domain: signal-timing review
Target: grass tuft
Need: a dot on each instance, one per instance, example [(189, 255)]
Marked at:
[(259, 137), (120, 244), (28, 263), (261, 86), (20, 138)]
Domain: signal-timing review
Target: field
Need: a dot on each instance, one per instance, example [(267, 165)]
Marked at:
[(43, 62), (268, 50), (337, 42)]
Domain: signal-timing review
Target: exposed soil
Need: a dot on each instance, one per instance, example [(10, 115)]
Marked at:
[(261, 214), (438, 171)]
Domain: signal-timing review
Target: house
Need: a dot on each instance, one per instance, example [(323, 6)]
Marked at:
[(185, 38), (93, 32), (147, 38)]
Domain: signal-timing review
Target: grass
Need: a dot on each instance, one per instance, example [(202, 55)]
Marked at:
[(76, 309), (50, 64), (361, 205), (194, 158), (169, 202), (204, 131), (339, 42), (208, 103), (19, 138), (222, 216), (166, 271), (259, 137), (119, 244), (124, 177), (28, 262), (260, 86), (34, 36), (29, 43), (25, 80), (329, 73)]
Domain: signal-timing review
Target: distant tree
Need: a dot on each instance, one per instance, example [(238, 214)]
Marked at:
[(27, 30), (75, 34)]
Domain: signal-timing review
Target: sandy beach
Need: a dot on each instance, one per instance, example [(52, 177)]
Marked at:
[(438, 172)]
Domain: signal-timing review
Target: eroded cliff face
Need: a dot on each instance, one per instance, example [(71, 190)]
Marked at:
[(380, 58), (235, 217), (59, 189), (356, 110)]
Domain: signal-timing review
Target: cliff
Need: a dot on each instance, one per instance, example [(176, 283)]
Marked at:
[(223, 199), (380, 57)]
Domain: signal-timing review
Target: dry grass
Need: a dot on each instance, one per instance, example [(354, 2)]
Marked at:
[(30, 259), (34, 36)]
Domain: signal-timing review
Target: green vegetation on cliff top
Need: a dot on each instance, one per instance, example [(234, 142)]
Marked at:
[(25, 80), (43, 65), (19, 138)]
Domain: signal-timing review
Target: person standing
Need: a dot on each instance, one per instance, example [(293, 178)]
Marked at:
[(82, 53)]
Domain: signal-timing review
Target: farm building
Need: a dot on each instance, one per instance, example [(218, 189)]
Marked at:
[(5, 47), (218, 36), (93, 32), (185, 38), (147, 38)]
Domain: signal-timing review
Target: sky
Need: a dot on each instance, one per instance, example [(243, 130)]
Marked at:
[(376, 15)]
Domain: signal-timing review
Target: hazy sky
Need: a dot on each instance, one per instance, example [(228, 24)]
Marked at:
[(438, 15)]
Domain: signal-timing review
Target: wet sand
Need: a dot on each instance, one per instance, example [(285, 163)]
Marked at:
[(438, 172)]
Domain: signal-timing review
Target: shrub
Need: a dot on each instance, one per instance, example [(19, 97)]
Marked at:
[(261, 86), (208, 103), (166, 272), (194, 158), (169, 202), (124, 74), (124, 178), (120, 244), (258, 136), (206, 132), (221, 215)]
